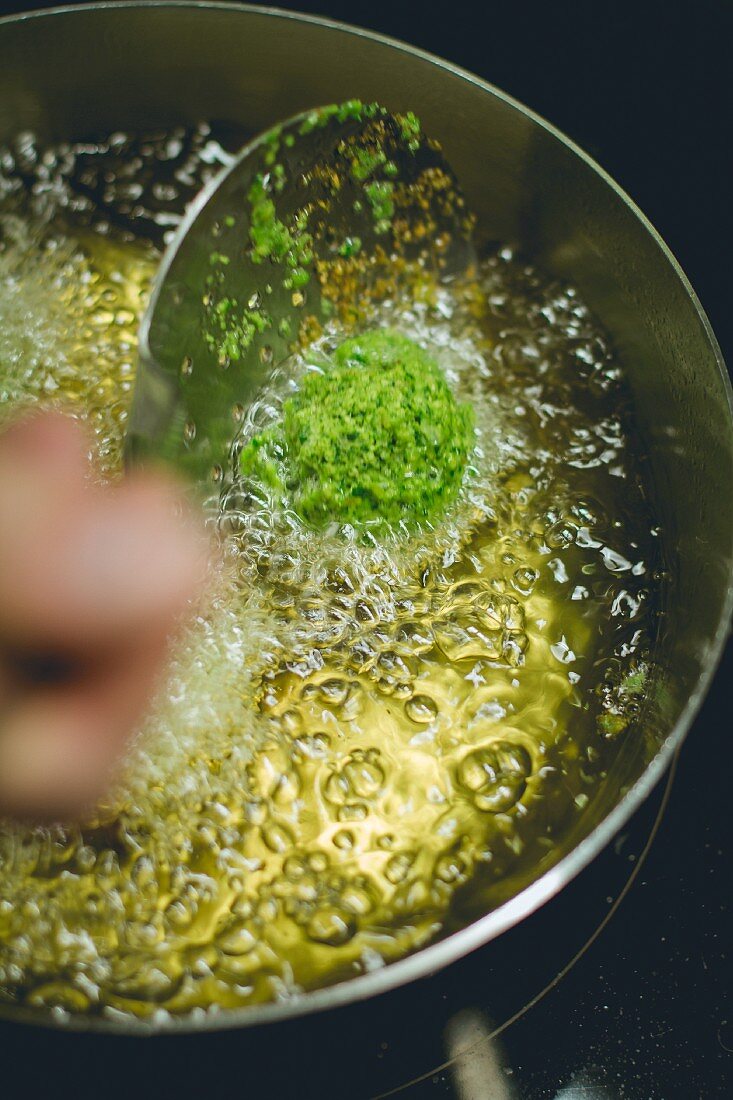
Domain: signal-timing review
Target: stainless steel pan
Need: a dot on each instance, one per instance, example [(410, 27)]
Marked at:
[(68, 73)]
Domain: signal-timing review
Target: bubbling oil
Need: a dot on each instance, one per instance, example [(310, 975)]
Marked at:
[(353, 732)]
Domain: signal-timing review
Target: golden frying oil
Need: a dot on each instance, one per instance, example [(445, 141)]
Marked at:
[(352, 735)]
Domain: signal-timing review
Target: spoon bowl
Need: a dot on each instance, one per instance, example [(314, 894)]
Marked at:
[(321, 215)]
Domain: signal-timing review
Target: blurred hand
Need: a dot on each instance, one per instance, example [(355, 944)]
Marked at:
[(92, 582)]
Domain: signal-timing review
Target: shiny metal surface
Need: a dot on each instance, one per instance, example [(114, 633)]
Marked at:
[(72, 72)]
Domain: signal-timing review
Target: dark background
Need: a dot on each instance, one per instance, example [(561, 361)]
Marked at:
[(647, 1013), (642, 86)]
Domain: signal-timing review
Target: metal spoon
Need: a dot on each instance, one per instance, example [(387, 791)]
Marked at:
[(328, 212)]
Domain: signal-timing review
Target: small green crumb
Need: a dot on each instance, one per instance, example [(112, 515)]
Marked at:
[(377, 438), (635, 682), (410, 130), (354, 108), (272, 141), (350, 246), (380, 195), (611, 725), (278, 177), (231, 329), (271, 239), (366, 161), (621, 702), (351, 109)]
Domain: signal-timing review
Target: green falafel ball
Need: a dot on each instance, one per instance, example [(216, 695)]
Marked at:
[(377, 439)]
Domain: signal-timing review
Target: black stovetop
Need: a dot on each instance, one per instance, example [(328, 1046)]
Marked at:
[(644, 1012)]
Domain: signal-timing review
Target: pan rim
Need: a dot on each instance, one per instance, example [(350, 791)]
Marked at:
[(442, 953)]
